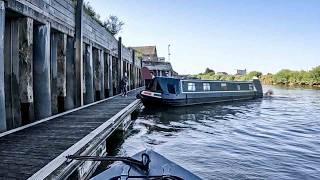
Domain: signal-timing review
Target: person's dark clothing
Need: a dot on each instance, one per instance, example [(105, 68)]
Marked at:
[(123, 85)]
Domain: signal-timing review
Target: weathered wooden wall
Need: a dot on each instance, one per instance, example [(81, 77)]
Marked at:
[(41, 71)]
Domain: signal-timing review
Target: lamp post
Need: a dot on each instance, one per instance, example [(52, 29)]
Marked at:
[(169, 54)]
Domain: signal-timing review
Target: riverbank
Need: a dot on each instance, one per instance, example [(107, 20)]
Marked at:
[(285, 77)]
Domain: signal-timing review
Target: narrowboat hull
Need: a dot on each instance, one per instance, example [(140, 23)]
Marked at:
[(177, 92), (188, 101)]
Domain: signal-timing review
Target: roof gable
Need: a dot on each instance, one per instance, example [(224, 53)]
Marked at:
[(146, 50)]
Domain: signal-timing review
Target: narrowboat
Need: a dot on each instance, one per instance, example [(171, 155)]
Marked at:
[(151, 166), (182, 92)]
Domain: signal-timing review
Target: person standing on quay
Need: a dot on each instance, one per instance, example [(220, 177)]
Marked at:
[(124, 84)]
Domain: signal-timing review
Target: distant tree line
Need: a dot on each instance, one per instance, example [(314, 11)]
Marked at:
[(210, 74), (289, 77), (283, 77)]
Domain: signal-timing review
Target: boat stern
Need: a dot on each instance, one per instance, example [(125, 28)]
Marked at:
[(257, 84)]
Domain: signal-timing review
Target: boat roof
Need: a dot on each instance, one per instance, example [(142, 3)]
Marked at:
[(159, 166), (199, 80)]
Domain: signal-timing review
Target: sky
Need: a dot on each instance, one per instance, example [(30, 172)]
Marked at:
[(224, 35)]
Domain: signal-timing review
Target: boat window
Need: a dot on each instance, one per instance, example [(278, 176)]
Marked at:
[(224, 86), (171, 89), (238, 87), (191, 87), (158, 88), (150, 84), (154, 86), (206, 86), (250, 87)]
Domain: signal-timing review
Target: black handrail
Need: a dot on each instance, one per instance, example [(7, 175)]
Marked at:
[(166, 177), (143, 164)]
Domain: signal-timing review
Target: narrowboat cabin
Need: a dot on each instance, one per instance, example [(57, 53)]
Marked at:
[(179, 92)]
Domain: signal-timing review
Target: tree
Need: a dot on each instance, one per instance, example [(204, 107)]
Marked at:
[(315, 75), (282, 77), (208, 70), (254, 74), (113, 24), (91, 12)]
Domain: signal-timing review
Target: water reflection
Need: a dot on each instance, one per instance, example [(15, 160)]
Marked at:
[(172, 120)]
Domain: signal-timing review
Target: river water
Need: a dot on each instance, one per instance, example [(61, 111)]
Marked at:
[(275, 137)]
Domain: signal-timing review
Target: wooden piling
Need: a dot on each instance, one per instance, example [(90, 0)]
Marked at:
[(58, 71), (70, 75), (134, 74), (102, 90), (110, 75), (106, 75), (89, 96), (11, 74), (96, 72), (3, 125), (26, 69), (115, 75), (54, 72), (61, 70), (41, 71), (120, 70), (78, 53)]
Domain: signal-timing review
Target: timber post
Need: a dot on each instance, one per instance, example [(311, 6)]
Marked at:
[(70, 84), (110, 75), (102, 90), (120, 64), (11, 65), (106, 75), (62, 71), (3, 125), (53, 72), (58, 71), (26, 69), (134, 72), (89, 96), (96, 73), (41, 71), (78, 53)]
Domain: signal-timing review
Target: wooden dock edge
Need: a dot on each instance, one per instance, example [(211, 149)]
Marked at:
[(61, 168), (58, 115)]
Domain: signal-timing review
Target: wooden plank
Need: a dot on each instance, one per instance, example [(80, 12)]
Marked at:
[(39, 14), (48, 140), (61, 13), (65, 4), (60, 160), (55, 116)]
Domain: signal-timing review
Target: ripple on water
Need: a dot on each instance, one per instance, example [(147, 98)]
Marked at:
[(272, 138)]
